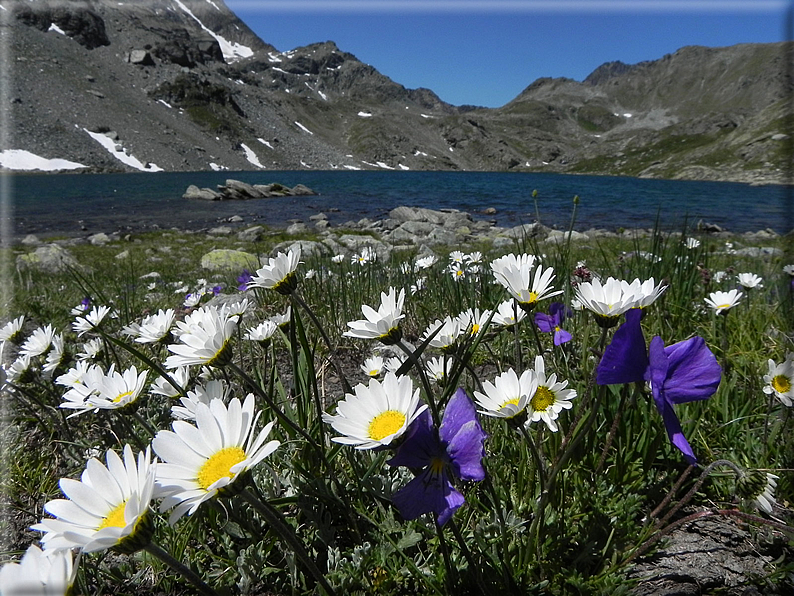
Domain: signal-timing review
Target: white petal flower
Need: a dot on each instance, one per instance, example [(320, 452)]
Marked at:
[(550, 398), (204, 338), (438, 369), (180, 375), (749, 281), (39, 342), (91, 321), (202, 394), (262, 332), (44, 573), (645, 293), (202, 460), (55, 357), (377, 414), (473, 321), (692, 243), (508, 395), (448, 333), (279, 273), (382, 324), (109, 392), (780, 380), (609, 300), (92, 349), (425, 262), (508, 314), (723, 301), (107, 508), (12, 331), (526, 286), (373, 366), (156, 327), (766, 499)]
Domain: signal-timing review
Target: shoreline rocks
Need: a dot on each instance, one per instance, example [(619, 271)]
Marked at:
[(236, 190)]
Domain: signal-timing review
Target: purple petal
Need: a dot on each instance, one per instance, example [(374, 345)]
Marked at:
[(625, 359), (466, 452), (693, 372), (428, 493), (559, 311), (420, 445), (676, 434), (561, 336), (545, 322), (460, 410)]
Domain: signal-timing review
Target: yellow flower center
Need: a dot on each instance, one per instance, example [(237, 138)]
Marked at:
[(723, 306), (556, 328), (542, 399), (374, 372), (781, 384), (219, 466), (475, 329), (513, 401), (533, 297), (385, 424), (118, 398), (114, 519)]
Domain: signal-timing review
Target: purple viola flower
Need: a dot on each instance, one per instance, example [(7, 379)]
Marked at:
[(217, 290), (244, 279), (453, 451), (683, 372), (552, 322)]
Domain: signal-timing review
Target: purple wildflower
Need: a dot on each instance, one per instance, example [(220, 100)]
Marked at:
[(453, 451), (551, 323), (85, 302), (683, 372), (216, 290), (244, 279)]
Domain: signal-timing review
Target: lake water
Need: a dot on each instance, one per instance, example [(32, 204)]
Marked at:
[(64, 204)]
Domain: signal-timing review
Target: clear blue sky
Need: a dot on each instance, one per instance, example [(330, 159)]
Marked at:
[(486, 52)]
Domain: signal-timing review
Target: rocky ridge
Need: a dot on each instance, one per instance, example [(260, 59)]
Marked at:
[(183, 85)]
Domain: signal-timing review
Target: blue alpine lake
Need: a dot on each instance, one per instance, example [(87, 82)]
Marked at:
[(79, 204)]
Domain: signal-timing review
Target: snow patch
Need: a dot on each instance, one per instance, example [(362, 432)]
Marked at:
[(365, 114), (417, 152), (304, 164), (272, 57), (121, 154), (280, 69), (380, 164), (251, 156), (299, 125), (56, 28), (214, 5), (164, 102), (265, 143), (232, 51), (239, 82), (19, 159), (627, 115), (322, 95), (426, 116), (3, 7), (216, 167), (351, 168), (402, 167)]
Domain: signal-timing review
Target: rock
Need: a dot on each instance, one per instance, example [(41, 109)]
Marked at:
[(140, 57), (80, 23), (222, 258), (308, 248), (99, 239), (489, 211), (207, 194), (759, 251), (779, 136), (220, 231), (533, 230), (123, 255), (31, 240), (50, 258), (96, 93), (317, 217), (272, 190), (557, 236), (235, 219), (299, 190), (235, 189), (296, 229), (253, 234), (322, 224)]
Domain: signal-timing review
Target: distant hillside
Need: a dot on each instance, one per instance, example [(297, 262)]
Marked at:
[(186, 85)]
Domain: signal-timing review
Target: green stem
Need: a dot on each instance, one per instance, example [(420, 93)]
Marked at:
[(276, 521), (423, 377), (180, 568)]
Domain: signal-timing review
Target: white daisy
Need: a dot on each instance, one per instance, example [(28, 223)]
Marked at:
[(107, 508), (156, 327), (55, 357), (377, 414), (457, 257), (367, 255), (279, 273), (262, 332), (607, 301), (722, 302), (473, 321), (692, 243), (92, 349), (507, 314), (447, 336), (282, 320), (780, 380), (438, 369), (425, 262), (526, 287), (382, 324), (457, 271), (45, 573), (112, 391), (645, 293), (204, 338), (766, 499), (393, 364), (337, 258), (180, 375), (508, 395), (202, 460), (39, 342), (20, 370), (550, 398), (749, 281), (418, 285), (202, 394), (373, 366), (91, 321), (788, 270), (12, 331), (235, 309)]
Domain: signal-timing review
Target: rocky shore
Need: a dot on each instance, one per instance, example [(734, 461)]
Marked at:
[(405, 228)]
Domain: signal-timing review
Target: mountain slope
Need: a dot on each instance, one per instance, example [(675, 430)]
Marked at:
[(185, 85)]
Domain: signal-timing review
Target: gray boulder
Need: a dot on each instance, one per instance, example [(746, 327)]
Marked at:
[(253, 234), (50, 258), (206, 194), (222, 258)]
